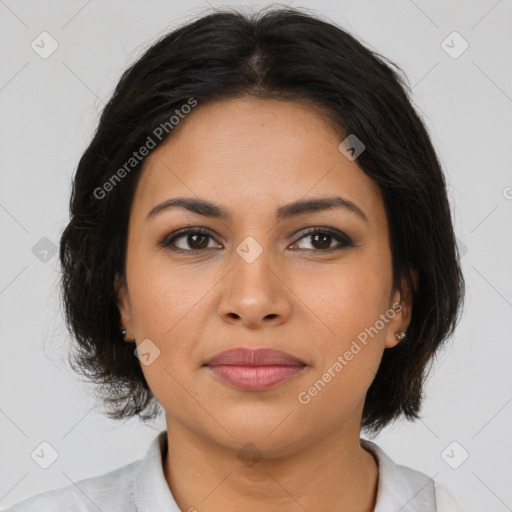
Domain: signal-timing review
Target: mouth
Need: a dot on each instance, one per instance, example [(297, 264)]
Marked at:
[(255, 369)]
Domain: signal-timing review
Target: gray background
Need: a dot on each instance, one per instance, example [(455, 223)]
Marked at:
[(49, 109)]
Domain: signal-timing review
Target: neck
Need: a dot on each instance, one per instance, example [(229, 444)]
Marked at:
[(335, 473)]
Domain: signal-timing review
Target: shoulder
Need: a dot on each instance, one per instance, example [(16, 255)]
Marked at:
[(140, 485), (400, 484), (444, 500), (112, 491)]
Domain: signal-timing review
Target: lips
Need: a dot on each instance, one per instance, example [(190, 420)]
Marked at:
[(255, 369), (254, 357)]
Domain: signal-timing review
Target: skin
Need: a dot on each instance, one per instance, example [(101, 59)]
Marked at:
[(307, 298)]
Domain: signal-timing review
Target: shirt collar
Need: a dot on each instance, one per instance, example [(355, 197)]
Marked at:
[(151, 491), (400, 488)]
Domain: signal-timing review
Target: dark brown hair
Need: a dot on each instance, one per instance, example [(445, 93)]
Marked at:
[(277, 53)]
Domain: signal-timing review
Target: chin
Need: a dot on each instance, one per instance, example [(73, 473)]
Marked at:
[(271, 429)]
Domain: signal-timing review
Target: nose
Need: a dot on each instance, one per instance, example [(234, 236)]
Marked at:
[(255, 294)]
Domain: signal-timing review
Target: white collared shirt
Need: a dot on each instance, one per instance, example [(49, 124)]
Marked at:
[(141, 487)]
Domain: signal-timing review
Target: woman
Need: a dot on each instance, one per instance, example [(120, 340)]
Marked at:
[(261, 244)]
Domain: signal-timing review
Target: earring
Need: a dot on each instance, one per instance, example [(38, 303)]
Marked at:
[(400, 334), (124, 333)]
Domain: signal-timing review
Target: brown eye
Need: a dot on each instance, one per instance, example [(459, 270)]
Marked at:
[(322, 238), (323, 241), (190, 240), (197, 241)]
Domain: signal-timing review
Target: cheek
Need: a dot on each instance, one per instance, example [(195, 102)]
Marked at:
[(163, 296), (352, 302), (167, 305), (349, 297), (352, 350), (169, 317), (334, 394)]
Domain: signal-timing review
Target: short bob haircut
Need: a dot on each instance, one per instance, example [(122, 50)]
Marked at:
[(277, 53)]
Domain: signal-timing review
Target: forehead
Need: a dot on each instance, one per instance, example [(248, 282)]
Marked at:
[(253, 155)]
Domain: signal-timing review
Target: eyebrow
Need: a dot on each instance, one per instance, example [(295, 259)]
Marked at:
[(301, 207)]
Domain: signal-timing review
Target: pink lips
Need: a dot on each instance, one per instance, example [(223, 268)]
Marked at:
[(255, 369)]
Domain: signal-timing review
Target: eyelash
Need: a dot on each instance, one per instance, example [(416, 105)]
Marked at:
[(337, 235)]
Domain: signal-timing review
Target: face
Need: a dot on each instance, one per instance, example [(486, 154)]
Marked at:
[(254, 279)]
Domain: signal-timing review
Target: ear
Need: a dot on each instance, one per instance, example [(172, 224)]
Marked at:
[(123, 304), (402, 316)]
